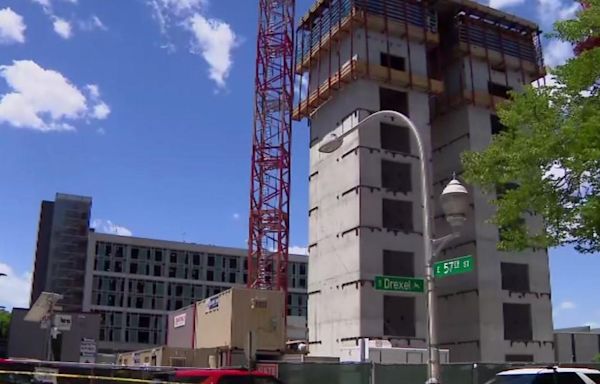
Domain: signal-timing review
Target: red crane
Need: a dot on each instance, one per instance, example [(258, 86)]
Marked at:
[(271, 144), (590, 42)]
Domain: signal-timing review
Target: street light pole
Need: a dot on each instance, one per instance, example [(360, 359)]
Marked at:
[(453, 201)]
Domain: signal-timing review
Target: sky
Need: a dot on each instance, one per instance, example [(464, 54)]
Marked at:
[(146, 105)]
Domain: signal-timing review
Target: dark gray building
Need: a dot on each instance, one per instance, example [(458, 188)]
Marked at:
[(29, 340), (61, 252), (577, 345)]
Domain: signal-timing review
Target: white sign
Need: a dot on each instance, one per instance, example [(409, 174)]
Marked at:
[(63, 322), (45, 375), (179, 321), (87, 351)]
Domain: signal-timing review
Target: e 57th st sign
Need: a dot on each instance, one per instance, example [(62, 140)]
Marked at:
[(453, 266)]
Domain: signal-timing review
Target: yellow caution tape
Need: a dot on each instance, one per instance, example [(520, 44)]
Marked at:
[(91, 377)]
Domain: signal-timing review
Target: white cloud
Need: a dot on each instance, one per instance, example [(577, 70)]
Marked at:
[(567, 305), (107, 226), (42, 99), (12, 27), (557, 52), (298, 250), (505, 3), (236, 216), (93, 90), (550, 11), (101, 131), (213, 39), (14, 288), (63, 28), (93, 23), (101, 111)]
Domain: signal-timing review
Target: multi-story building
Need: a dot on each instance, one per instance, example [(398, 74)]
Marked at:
[(446, 65), (134, 282), (61, 249)]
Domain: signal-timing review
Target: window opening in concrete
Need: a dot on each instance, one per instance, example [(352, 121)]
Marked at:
[(515, 277), (497, 126), (302, 269), (398, 263), (211, 261), (173, 258), (196, 259), (133, 268), (395, 62), (210, 276), (157, 270), (399, 316), (232, 277), (398, 215), (396, 176), (134, 253), (517, 322), (393, 100), (394, 138), (233, 263), (158, 256), (499, 90)]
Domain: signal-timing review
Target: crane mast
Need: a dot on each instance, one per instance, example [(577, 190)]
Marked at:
[(268, 238)]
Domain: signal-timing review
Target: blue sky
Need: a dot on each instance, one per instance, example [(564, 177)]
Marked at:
[(146, 105)]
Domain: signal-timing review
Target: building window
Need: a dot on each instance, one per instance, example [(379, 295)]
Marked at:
[(390, 99), (497, 126), (210, 275), (135, 253), (195, 274), (173, 258), (394, 138), (106, 265), (397, 215), (119, 252), (232, 263), (211, 261), (139, 302), (499, 90), (399, 316), (118, 266), (519, 358), (515, 277), (517, 322), (398, 263), (157, 270), (396, 176), (302, 283), (172, 271), (302, 269), (395, 62), (143, 337), (232, 277), (196, 259), (133, 267), (158, 256)]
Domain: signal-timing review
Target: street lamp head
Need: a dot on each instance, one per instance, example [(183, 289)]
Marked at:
[(455, 202), (331, 143)]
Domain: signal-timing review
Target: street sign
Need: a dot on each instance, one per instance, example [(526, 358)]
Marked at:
[(453, 266), (399, 284)]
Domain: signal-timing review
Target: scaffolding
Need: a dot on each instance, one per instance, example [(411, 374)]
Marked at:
[(470, 32)]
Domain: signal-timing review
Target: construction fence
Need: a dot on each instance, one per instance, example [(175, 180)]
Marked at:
[(287, 373)]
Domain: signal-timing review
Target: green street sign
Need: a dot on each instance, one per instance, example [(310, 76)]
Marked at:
[(399, 284), (453, 266)]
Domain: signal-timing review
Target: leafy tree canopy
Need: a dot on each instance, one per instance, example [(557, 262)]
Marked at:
[(550, 150)]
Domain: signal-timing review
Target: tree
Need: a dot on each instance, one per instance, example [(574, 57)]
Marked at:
[(4, 324), (549, 152)]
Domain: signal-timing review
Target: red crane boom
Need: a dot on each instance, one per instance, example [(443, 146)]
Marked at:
[(271, 144)]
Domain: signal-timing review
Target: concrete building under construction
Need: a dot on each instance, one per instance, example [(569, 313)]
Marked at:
[(446, 65)]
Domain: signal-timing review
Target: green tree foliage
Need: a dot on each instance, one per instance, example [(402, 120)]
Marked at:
[(597, 358), (551, 150), (4, 324)]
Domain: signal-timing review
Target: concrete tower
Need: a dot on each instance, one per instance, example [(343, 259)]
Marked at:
[(445, 64)]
